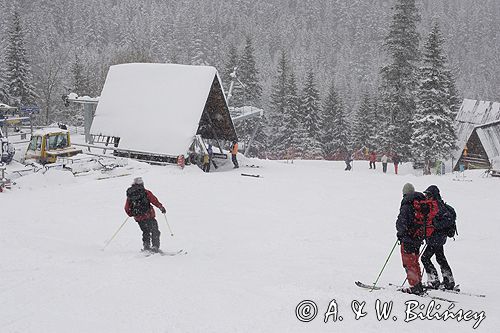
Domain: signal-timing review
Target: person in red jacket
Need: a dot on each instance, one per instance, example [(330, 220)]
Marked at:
[(138, 205), (373, 159)]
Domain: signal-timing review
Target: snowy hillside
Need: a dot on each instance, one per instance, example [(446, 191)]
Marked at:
[(256, 248)]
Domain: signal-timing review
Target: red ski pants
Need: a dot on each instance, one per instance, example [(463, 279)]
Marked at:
[(411, 265)]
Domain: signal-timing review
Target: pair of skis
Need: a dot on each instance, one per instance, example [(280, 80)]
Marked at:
[(399, 289), (456, 291), (163, 253)]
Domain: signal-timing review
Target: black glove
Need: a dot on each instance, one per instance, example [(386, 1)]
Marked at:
[(163, 210)]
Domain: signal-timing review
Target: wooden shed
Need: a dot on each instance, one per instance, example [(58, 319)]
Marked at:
[(478, 134)]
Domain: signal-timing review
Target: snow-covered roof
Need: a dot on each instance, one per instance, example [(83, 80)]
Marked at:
[(157, 108), (472, 114)]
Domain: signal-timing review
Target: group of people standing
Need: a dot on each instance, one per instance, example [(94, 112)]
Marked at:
[(373, 159), (384, 159), (208, 158)]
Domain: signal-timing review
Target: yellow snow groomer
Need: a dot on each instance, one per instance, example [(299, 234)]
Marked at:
[(46, 145)]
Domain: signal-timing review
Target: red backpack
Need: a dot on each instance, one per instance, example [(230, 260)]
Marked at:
[(425, 211)]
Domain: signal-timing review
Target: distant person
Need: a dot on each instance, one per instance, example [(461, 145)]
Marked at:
[(444, 223), (373, 159), (211, 157), (138, 205), (410, 241), (348, 160), (384, 163), (396, 161), (206, 163), (234, 152)]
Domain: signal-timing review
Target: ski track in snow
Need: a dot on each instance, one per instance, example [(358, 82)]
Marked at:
[(256, 248)]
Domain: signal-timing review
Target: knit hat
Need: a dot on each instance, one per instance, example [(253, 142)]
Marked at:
[(433, 191), (138, 181), (408, 188)]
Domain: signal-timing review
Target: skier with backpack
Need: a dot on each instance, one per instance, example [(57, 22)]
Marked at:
[(138, 205), (445, 226), (413, 225)]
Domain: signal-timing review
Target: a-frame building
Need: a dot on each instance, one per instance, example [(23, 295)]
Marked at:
[(158, 109), (478, 134)]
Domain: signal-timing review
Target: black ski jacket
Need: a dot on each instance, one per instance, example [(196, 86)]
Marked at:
[(405, 225)]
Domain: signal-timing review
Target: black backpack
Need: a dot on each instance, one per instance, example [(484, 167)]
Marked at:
[(139, 202), (450, 217)]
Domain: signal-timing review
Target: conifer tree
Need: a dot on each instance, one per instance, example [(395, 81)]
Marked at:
[(335, 126), (4, 94), (248, 75), (199, 49), (19, 85), (259, 146), (379, 124), (311, 118), (399, 77), (363, 124), (81, 84), (230, 65), (293, 135), (454, 99), (250, 93), (433, 133), (277, 106)]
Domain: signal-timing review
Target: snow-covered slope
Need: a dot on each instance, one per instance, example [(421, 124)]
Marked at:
[(257, 247)]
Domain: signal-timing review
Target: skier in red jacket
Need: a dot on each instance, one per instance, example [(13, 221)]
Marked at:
[(138, 205)]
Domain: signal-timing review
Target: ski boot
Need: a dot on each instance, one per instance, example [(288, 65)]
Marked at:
[(146, 247), (435, 284), (448, 283), (156, 249), (417, 289)]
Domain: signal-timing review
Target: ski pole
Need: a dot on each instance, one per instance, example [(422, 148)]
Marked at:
[(168, 225), (387, 260), (114, 235), (419, 255)]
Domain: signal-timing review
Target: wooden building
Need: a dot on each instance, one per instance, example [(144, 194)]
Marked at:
[(160, 109), (478, 135)]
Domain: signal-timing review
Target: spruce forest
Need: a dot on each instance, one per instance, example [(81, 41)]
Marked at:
[(336, 78)]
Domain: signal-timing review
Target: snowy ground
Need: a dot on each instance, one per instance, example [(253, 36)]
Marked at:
[(257, 247)]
